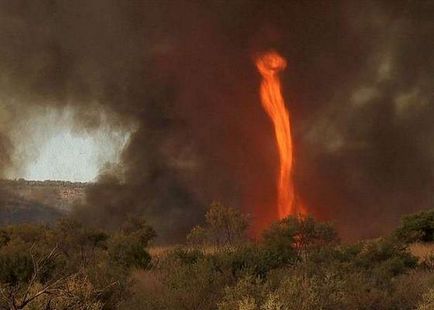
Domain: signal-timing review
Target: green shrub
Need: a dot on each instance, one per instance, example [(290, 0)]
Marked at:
[(294, 238), (183, 284), (418, 227), (128, 252), (248, 293), (224, 226), (315, 292), (137, 227), (249, 259), (387, 257), (198, 236), (16, 265)]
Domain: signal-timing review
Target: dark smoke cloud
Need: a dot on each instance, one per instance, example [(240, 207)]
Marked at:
[(359, 85)]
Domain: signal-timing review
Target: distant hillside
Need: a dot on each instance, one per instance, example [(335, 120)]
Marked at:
[(37, 201)]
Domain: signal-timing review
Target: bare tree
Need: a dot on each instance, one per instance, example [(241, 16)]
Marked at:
[(17, 297)]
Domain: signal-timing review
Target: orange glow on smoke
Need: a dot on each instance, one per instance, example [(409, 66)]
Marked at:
[(269, 65)]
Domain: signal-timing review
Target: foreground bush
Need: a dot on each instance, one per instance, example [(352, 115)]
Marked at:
[(69, 266), (298, 264)]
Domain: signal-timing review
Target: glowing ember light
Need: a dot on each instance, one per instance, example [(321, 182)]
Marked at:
[(269, 65)]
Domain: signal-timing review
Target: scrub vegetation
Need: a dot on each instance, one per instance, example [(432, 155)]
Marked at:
[(299, 263)]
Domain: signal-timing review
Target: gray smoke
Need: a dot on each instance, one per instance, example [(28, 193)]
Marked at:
[(359, 86)]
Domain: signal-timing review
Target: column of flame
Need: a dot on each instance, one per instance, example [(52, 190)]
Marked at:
[(269, 65)]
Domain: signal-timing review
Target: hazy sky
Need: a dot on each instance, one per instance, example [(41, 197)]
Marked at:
[(68, 157), (50, 147), (358, 85)]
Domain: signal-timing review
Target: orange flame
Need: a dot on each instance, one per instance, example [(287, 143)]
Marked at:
[(269, 65)]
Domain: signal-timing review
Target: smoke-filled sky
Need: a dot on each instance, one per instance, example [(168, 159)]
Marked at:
[(178, 77), (50, 148)]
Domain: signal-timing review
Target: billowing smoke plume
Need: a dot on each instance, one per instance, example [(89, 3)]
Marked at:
[(359, 86)]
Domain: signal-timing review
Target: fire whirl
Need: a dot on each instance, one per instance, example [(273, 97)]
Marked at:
[(269, 65)]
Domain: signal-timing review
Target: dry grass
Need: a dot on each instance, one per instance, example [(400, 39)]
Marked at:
[(149, 281), (160, 251), (422, 250)]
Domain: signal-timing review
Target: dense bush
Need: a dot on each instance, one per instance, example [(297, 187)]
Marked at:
[(69, 266), (295, 238), (417, 227), (16, 264), (298, 264), (386, 257), (128, 252), (249, 259)]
